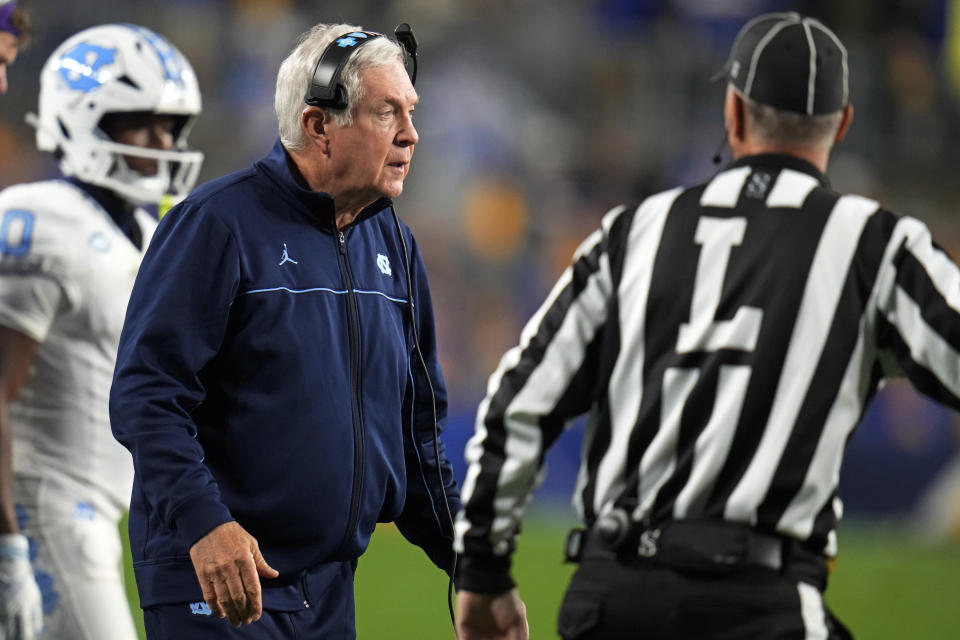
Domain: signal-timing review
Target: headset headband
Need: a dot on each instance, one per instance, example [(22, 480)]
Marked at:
[(325, 89)]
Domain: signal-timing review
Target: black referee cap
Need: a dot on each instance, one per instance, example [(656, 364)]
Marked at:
[(790, 62)]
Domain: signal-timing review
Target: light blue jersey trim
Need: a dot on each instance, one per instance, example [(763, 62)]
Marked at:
[(338, 292), (379, 293)]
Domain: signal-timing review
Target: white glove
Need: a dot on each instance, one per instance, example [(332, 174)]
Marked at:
[(21, 608)]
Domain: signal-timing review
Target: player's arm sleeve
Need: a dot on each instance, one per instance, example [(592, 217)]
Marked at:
[(433, 497), (29, 303), (548, 378), (918, 311), (175, 323), (37, 282)]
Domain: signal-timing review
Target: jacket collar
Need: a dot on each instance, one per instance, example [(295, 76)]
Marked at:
[(782, 161), (280, 167)]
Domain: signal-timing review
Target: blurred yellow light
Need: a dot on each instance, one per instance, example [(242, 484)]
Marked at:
[(494, 219)]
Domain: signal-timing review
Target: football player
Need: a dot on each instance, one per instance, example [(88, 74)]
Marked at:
[(116, 105)]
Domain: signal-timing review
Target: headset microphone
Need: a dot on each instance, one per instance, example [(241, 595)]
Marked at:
[(717, 157), (408, 41)]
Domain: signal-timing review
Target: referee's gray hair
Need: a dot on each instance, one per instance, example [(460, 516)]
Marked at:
[(296, 72), (790, 128)]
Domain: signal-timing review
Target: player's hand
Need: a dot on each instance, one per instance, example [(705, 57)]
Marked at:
[(228, 564), (483, 616), (21, 610)]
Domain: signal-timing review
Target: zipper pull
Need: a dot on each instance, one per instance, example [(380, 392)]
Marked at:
[(343, 246)]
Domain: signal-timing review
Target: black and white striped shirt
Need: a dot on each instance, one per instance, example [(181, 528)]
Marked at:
[(726, 340)]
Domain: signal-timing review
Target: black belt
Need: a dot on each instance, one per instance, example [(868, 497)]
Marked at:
[(703, 546)]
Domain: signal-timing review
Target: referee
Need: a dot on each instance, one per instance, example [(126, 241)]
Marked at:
[(726, 339)]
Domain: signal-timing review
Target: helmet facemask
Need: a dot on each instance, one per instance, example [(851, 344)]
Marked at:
[(176, 169)]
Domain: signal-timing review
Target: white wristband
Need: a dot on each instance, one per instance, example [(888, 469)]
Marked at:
[(14, 545)]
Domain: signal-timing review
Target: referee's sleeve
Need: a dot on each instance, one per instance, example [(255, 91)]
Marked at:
[(918, 314), (541, 383)]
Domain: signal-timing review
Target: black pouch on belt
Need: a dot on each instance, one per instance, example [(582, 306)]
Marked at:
[(715, 547)]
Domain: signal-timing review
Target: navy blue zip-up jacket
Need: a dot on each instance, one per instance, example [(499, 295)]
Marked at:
[(266, 374)]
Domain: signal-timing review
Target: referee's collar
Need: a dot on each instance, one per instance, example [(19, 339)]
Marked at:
[(782, 161)]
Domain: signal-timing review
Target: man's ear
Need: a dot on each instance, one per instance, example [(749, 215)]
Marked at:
[(315, 124), (844, 123), (734, 117)]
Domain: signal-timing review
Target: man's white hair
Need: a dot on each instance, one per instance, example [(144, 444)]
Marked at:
[(296, 72), (789, 128)]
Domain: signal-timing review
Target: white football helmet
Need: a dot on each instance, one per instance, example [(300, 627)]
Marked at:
[(118, 68)]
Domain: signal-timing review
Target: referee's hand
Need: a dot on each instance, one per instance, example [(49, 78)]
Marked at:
[(229, 566), (482, 616)]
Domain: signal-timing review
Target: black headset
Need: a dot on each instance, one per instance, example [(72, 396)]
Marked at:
[(325, 89)]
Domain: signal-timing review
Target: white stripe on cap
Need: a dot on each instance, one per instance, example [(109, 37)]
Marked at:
[(812, 81), (788, 19), (843, 56), (745, 29)]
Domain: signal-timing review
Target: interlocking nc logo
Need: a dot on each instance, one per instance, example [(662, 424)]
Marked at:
[(350, 40), (81, 66), (200, 609), (384, 263)]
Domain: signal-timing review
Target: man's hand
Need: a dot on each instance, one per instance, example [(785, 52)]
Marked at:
[(21, 610), (483, 616), (228, 562)]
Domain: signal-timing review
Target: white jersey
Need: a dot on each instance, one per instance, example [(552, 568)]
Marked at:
[(66, 272)]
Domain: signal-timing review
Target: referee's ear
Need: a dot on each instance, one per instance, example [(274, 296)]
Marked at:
[(844, 123), (733, 117)]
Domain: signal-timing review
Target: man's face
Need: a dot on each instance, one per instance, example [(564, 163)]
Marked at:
[(371, 157), (9, 46), (140, 129)]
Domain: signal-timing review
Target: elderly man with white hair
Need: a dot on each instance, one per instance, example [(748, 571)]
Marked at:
[(277, 380)]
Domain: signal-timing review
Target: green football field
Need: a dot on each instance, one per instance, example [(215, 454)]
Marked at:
[(885, 586)]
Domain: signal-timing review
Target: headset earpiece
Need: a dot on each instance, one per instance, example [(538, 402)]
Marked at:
[(325, 89)]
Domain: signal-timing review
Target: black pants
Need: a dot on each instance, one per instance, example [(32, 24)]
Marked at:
[(610, 600)]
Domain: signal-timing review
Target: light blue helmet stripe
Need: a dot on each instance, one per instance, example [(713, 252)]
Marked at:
[(170, 59)]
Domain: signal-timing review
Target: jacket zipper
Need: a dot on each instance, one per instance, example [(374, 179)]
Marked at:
[(355, 396)]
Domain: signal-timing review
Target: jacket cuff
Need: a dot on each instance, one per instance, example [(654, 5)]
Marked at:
[(483, 574), (441, 555), (198, 518)]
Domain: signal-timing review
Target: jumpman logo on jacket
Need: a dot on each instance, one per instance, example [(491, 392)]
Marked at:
[(286, 256)]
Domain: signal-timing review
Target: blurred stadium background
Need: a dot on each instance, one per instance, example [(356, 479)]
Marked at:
[(536, 117)]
